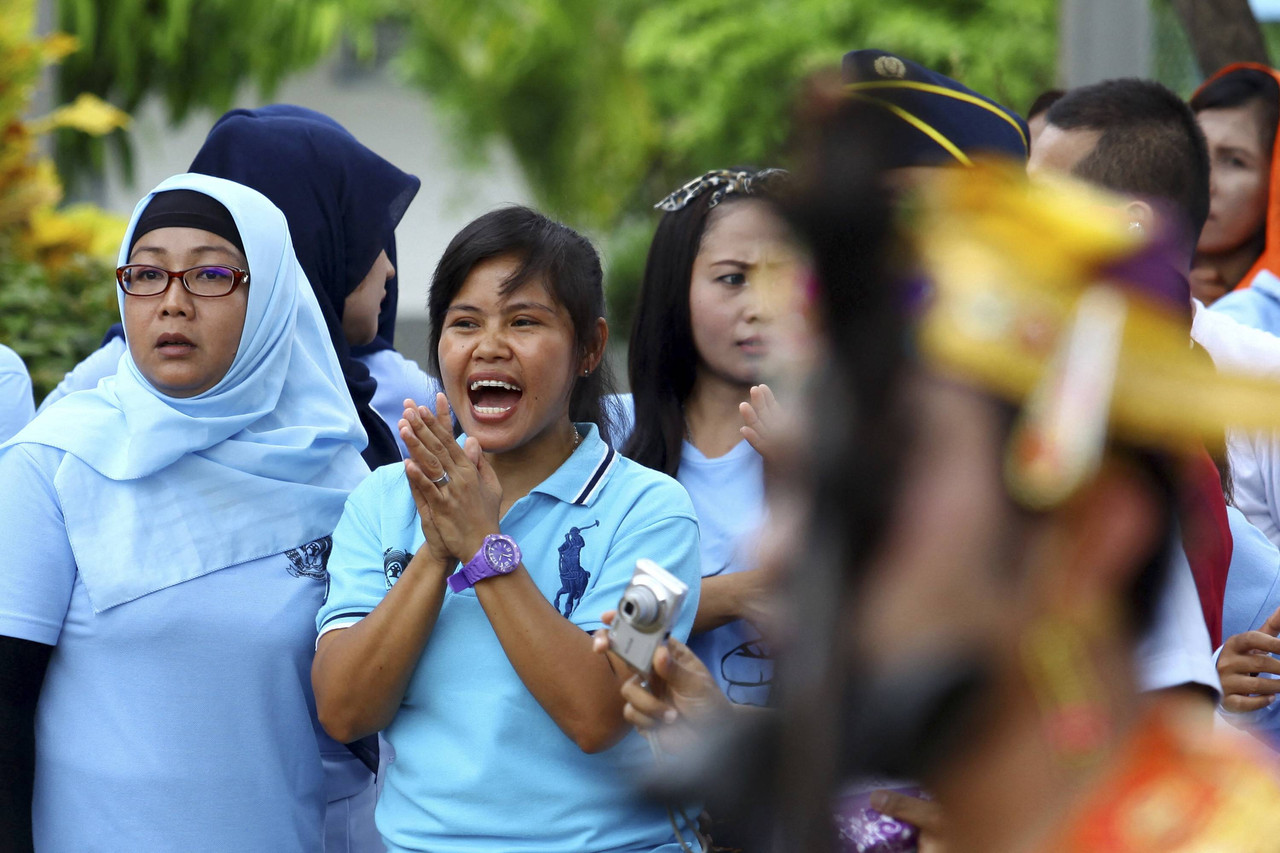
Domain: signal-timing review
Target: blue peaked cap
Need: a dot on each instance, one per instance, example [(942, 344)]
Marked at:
[(949, 123)]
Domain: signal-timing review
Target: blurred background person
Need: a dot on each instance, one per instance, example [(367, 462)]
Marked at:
[(1238, 109), (1140, 141), (1033, 529), (1037, 113)]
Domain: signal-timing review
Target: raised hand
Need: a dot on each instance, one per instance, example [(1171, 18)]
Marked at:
[(680, 690), (418, 485), (761, 418), (457, 486), (1243, 659)]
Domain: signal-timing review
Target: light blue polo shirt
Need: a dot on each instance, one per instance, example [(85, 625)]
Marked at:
[(480, 766), (179, 722)]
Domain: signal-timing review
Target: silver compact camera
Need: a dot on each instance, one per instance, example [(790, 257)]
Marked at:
[(647, 610)]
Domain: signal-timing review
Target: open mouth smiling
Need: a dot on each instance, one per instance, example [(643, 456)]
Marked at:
[(493, 396)]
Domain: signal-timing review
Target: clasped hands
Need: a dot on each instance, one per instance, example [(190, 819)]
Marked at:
[(454, 488)]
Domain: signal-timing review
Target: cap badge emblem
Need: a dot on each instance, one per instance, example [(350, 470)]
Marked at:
[(890, 66)]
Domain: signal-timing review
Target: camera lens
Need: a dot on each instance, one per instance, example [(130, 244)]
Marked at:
[(640, 606)]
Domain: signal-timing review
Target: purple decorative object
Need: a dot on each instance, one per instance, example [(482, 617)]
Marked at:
[(862, 829)]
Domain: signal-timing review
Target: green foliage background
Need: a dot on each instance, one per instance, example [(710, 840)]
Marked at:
[(610, 104), (191, 53), (607, 104), (54, 318)]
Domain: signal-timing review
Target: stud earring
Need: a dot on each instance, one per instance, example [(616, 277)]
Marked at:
[(1135, 227)]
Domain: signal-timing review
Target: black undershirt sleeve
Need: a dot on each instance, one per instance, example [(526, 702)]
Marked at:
[(22, 668)]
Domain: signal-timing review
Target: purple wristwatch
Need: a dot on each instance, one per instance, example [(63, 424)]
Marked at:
[(499, 555)]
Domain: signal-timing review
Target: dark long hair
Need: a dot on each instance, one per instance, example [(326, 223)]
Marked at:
[(662, 360), (549, 252)]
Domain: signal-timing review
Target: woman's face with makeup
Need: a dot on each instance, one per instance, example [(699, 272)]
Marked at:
[(1239, 176), (743, 250), (508, 361), (184, 344)]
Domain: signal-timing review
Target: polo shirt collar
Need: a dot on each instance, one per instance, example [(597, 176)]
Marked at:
[(581, 478)]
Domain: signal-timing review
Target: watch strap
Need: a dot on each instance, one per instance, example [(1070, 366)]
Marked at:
[(460, 580)]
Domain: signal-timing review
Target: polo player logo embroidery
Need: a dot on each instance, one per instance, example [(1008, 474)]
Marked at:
[(393, 564), (573, 578), (311, 560)]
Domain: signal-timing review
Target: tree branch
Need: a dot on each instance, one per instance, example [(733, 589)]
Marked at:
[(1222, 32)]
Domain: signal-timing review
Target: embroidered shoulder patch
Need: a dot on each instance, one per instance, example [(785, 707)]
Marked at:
[(311, 560), (393, 564)]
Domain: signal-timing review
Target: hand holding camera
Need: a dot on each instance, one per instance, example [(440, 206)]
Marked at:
[(672, 683), (648, 608)]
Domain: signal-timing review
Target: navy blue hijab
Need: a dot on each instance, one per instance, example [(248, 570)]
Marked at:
[(343, 203)]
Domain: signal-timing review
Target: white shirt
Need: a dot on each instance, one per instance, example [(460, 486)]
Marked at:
[(1254, 457)]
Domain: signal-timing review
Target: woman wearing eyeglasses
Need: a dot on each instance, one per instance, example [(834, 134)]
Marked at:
[(343, 203), (165, 545)]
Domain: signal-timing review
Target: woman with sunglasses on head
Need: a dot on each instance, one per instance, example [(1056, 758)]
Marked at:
[(508, 729), (343, 203), (166, 536), (699, 346)]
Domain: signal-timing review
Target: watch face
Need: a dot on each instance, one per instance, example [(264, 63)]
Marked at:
[(500, 551)]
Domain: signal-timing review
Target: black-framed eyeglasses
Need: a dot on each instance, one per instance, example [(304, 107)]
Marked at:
[(208, 281)]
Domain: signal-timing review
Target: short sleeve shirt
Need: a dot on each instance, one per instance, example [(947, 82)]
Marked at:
[(480, 766), (728, 496), (180, 721)]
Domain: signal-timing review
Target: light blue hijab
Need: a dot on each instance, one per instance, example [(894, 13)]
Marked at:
[(157, 490)]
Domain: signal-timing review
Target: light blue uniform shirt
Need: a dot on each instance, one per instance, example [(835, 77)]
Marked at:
[(180, 722), (728, 497), (480, 766), (1257, 305), (102, 362), (17, 407)]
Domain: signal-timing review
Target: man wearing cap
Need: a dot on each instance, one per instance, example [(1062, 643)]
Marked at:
[(1138, 138), (949, 124), (944, 123)]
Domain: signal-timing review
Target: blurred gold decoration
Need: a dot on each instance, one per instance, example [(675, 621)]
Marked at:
[(1023, 306), (31, 225)]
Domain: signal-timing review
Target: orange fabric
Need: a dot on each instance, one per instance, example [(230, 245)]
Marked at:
[(1175, 787), (1270, 257)]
